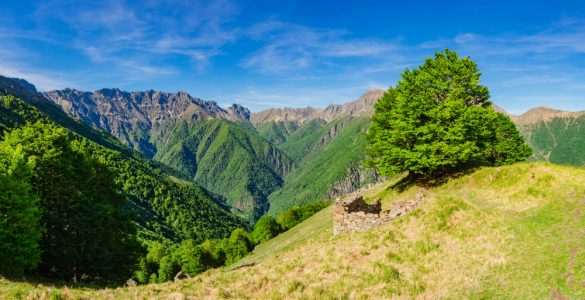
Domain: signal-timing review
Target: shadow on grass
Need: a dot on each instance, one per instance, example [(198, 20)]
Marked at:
[(409, 180)]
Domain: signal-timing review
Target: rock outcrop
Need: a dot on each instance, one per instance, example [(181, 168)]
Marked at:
[(356, 215)]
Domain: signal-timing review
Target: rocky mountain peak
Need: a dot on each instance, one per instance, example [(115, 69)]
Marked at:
[(239, 112), (362, 106)]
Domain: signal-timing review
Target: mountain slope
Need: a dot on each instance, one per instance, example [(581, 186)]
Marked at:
[(498, 233), (554, 135), (327, 144), (240, 167), (177, 130), (165, 208), (329, 157)]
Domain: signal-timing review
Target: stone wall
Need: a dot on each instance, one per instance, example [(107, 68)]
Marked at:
[(355, 214)]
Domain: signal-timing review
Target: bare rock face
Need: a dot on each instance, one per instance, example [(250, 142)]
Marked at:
[(356, 215), (364, 105), (134, 117)]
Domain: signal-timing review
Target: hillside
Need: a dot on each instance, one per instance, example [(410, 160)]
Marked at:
[(165, 208), (554, 135), (205, 143), (512, 232), (236, 164), (273, 165), (327, 145), (329, 157)]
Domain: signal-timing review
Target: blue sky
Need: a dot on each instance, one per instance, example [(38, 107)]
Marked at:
[(294, 53)]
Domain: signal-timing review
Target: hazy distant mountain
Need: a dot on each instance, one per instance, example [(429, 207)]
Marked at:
[(556, 136), (362, 106)]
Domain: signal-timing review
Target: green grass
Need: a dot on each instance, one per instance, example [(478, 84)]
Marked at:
[(289, 239), (512, 232)]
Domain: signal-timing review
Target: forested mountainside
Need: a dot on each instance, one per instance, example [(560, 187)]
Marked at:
[(554, 135), (239, 166), (329, 158), (287, 153), (327, 144), (213, 147), (165, 207)]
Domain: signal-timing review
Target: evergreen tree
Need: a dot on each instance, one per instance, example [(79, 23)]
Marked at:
[(439, 120), (19, 215)]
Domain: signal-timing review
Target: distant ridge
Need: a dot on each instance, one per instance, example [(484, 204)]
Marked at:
[(364, 105), (545, 114)]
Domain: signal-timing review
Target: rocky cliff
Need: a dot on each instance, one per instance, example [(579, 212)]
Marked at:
[(133, 117)]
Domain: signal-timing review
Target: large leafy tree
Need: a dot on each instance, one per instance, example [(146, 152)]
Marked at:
[(438, 119), (87, 231), (20, 232)]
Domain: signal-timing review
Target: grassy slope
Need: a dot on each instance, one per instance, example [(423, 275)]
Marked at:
[(321, 165), (514, 232)]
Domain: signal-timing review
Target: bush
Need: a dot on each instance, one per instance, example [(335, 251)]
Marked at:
[(297, 214), (266, 228)]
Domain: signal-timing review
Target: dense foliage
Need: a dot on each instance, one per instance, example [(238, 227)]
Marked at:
[(86, 231), (20, 231), (81, 189), (165, 208), (266, 228), (438, 119)]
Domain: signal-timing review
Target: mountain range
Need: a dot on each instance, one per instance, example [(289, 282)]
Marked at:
[(254, 163)]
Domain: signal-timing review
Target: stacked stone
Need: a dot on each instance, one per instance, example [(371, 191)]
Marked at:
[(356, 215), (400, 208)]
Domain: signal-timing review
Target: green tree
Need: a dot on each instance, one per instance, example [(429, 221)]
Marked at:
[(87, 231), (265, 228), (237, 246), (439, 120), (19, 215)]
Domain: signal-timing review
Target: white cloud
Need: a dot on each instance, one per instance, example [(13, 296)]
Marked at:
[(44, 81), (290, 47)]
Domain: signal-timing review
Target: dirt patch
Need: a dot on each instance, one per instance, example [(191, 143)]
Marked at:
[(557, 295)]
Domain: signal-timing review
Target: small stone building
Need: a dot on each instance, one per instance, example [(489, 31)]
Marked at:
[(355, 214)]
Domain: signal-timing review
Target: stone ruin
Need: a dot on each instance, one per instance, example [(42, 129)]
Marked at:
[(355, 214)]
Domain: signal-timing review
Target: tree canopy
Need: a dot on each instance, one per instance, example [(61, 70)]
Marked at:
[(86, 229), (438, 120), (20, 231)]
